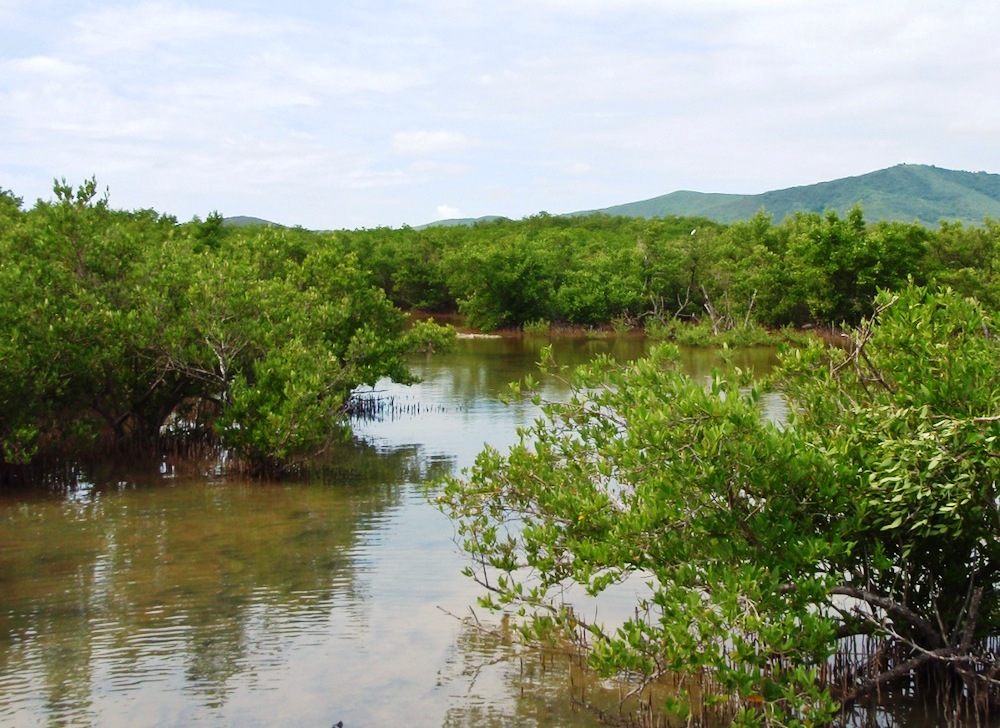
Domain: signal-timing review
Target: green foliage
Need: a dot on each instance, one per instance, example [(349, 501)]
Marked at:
[(702, 334), (504, 281), (913, 424), (124, 315), (812, 269), (967, 259), (540, 327), (871, 512), (117, 323)]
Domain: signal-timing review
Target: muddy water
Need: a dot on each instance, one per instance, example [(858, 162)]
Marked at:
[(164, 595)]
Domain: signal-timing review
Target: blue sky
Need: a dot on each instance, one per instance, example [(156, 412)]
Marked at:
[(363, 114)]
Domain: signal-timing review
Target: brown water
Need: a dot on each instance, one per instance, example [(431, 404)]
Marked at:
[(155, 596)]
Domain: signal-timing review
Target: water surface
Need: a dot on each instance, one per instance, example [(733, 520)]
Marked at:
[(158, 595)]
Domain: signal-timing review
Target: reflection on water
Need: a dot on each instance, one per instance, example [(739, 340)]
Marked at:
[(146, 596), (186, 589)]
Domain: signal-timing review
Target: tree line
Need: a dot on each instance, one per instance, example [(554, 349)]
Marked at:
[(808, 270), (123, 329)]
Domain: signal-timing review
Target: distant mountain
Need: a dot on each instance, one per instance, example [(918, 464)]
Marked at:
[(244, 220), (906, 192), (456, 221)]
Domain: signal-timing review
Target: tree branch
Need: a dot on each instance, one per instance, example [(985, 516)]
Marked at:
[(898, 612), (897, 673)]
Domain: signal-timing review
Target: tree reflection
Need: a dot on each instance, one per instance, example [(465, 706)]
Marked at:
[(543, 688), (115, 583)]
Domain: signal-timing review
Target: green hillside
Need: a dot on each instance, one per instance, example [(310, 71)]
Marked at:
[(457, 221), (906, 192), (244, 220)]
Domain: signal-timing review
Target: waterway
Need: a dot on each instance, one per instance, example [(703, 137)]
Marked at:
[(164, 594)]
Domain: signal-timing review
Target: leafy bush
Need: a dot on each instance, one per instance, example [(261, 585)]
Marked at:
[(539, 327), (871, 514), (114, 322)]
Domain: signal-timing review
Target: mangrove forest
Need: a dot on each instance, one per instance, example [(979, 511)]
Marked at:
[(791, 568)]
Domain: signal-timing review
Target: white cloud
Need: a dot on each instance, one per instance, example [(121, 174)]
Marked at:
[(44, 67), (337, 79), (429, 169), (421, 142), (365, 179), (236, 94), (447, 212), (371, 113), (145, 26), (488, 79)]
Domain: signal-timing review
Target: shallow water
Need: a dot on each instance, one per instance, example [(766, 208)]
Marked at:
[(161, 596)]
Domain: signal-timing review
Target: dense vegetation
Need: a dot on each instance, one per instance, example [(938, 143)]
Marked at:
[(792, 567), (871, 514), (125, 327), (811, 269), (124, 330)]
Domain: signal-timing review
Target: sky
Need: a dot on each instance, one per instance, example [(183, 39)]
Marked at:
[(332, 114)]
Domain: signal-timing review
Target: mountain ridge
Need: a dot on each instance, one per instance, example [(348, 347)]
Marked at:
[(245, 220), (904, 192)]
